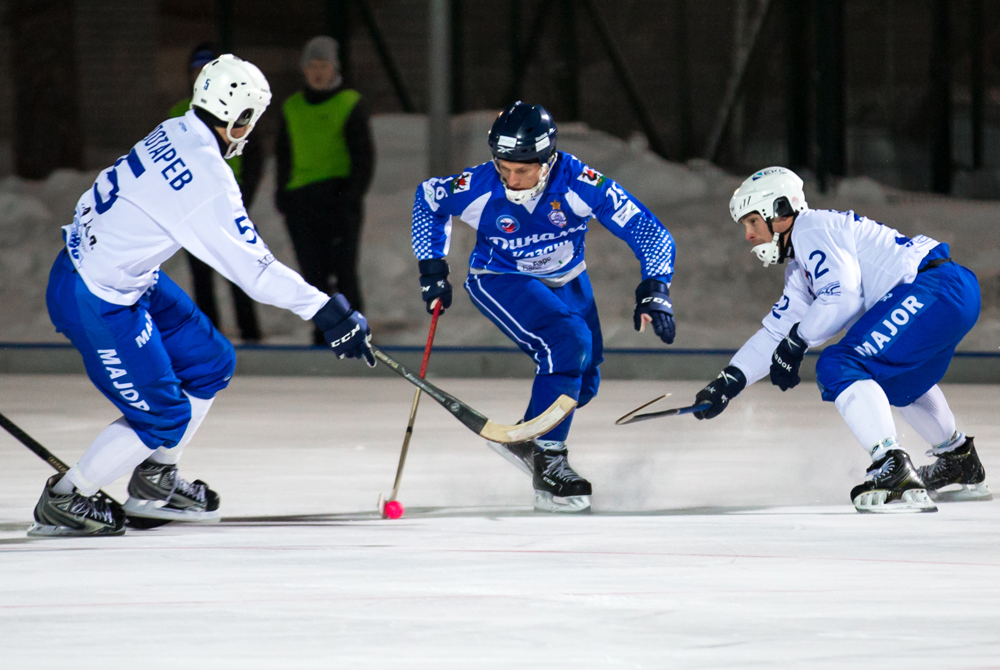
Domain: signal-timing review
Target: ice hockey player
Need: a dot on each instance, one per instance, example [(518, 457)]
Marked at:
[(530, 207), (905, 304), (145, 344)]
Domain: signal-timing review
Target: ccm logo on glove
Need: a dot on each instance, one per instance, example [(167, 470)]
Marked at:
[(336, 343)]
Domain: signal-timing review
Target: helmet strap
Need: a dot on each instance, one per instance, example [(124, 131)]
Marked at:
[(785, 249), (235, 147)]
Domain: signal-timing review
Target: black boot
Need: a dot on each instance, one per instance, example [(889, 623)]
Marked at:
[(558, 488), (959, 466), (157, 491), (892, 485), (520, 454), (73, 514)]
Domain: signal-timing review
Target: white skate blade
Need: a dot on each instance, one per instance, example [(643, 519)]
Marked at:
[(510, 457), (153, 509), (42, 530), (912, 501), (546, 502), (964, 493)]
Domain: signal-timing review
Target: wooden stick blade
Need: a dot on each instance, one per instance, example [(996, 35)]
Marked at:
[(633, 418), (529, 430)]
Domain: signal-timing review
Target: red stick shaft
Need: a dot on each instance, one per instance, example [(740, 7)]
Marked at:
[(430, 338)]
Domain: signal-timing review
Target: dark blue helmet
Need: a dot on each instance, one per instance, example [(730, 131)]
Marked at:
[(524, 134)]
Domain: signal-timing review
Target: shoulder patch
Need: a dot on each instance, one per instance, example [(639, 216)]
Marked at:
[(591, 176), (462, 182)]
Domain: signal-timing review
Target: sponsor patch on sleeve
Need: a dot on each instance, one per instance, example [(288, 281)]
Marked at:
[(429, 195), (627, 211), (591, 176), (832, 290)]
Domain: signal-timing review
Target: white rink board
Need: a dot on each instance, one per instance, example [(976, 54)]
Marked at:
[(720, 544)]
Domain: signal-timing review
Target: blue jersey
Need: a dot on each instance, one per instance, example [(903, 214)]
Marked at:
[(544, 237)]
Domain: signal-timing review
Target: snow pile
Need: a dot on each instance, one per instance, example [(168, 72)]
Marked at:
[(720, 290)]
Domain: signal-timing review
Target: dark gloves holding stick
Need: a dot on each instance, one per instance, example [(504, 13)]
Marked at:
[(434, 283), (652, 300), (786, 360), (723, 388), (345, 329)]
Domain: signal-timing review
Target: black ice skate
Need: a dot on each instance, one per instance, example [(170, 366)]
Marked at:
[(959, 466), (157, 491), (72, 514), (892, 485), (557, 486), (520, 454)]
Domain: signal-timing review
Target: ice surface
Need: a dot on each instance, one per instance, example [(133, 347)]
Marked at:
[(720, 290), (720, 544)]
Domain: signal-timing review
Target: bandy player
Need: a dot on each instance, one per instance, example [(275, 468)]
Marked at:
[(905, 304), (530, 207), (144, 342)]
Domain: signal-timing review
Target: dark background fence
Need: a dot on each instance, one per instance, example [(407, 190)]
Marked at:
[(904, 91)]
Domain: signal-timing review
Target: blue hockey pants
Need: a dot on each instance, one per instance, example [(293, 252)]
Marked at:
[(557, 327), (143, 357)]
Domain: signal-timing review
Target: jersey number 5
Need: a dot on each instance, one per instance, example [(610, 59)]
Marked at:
[(137, 168)]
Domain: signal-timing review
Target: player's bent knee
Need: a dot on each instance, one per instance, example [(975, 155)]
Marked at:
[(836, 370), (588, 388), (573, 354), (214, 375)]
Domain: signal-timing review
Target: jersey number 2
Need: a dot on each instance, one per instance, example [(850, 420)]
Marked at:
[(819, 270)]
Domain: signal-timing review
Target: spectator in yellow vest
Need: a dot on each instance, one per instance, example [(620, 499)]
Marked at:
[(325, 162), (246, 168)]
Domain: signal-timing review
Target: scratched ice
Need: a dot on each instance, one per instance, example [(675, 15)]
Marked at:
[(719, 544)]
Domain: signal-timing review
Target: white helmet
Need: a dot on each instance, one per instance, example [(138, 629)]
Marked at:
[(771, 192), (235, 92)]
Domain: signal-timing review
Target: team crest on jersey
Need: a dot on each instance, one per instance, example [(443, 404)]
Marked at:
[(461, 183), (508, 223), (557, 216), (591, 176)]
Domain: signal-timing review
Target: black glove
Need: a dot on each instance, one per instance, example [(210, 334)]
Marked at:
[(345, 329), (434, 283), (723, 388), (786, 360), (652, 297)]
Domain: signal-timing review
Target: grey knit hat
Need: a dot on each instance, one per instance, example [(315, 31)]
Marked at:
[(320, 48)]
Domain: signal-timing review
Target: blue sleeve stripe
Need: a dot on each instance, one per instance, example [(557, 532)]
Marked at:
[(135, 164)]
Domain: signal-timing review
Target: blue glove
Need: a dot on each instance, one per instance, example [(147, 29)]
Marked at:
[(723, 388), (786, 360), (652, 297), (434, 283), (345, 329)]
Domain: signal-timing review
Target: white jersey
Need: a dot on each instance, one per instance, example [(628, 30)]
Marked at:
[(844, 263), (173, 190)]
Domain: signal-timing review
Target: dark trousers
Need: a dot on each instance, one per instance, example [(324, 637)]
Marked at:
[(326, 246), (202, 277)]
